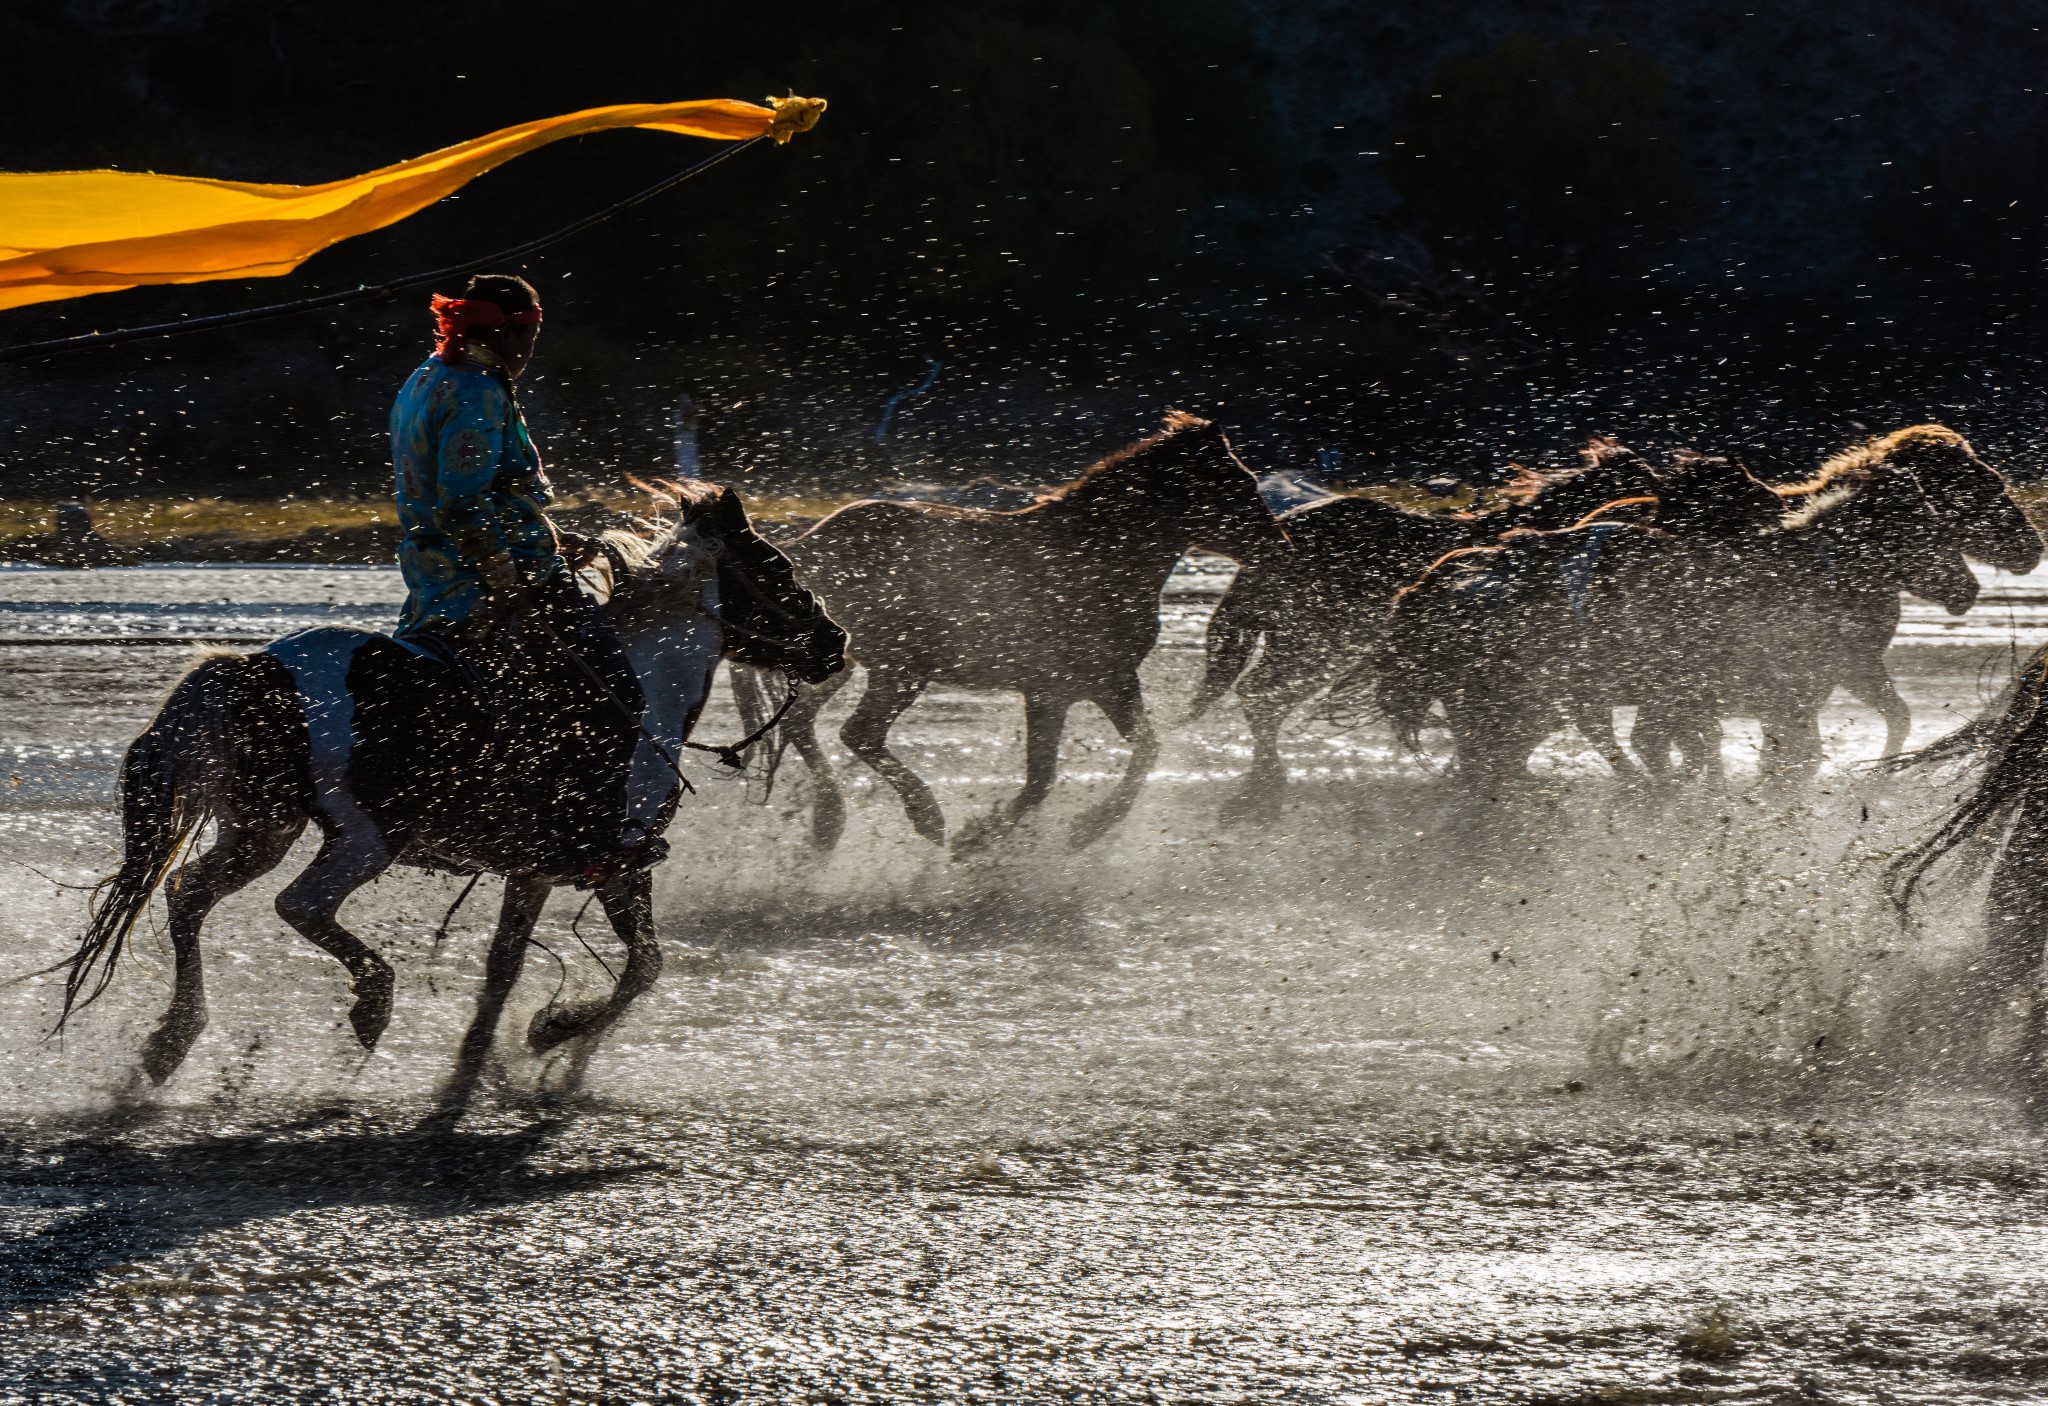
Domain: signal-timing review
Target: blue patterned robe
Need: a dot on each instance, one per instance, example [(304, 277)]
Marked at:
[(470, 486)]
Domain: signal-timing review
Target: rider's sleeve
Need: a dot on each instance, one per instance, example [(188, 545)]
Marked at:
[(471, 441)]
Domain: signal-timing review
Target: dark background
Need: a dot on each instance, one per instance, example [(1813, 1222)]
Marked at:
[(1380, 241)]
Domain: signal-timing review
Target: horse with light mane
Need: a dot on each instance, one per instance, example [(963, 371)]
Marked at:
[(1514, 640), (1315, 612), (329, 726), (1058, 601)]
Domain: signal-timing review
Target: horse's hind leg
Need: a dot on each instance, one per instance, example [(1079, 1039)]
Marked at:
[(1792, 750), (1125, 705), (238, 858), (1595, 723), (800, 726), (866, 735), (348, 859), (517, 913), (629, 904)]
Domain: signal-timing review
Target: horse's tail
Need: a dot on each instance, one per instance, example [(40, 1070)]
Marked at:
[(2008, 745), (1234, 632), (170, 781)]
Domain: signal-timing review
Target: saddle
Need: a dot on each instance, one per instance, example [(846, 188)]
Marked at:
[(485, 753)]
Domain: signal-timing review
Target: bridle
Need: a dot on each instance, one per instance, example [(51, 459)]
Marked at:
[(732, 755)]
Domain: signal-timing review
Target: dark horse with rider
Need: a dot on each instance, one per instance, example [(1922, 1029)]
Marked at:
[(527, 718)]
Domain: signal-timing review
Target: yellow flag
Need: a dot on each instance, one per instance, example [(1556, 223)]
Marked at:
[(64, 234)]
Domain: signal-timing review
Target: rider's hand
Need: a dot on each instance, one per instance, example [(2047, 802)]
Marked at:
[(501, 577), (505, 595)]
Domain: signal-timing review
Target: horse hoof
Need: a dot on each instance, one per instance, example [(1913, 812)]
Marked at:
[(1090, 828), (163, 1052), (980, 833), (553, 1025), (372, 1010)]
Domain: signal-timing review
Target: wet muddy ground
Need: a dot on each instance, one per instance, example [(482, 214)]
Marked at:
[(1617, 1100)]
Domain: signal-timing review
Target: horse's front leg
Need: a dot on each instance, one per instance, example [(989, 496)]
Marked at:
[(1277, 685), (1792, 750), (350, 857), (866, 734), (1045, 718), (1875, 687), (629, 903), (517, 913), (1125, 705), (800, 726)]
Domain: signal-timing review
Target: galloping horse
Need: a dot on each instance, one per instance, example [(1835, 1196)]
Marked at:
[(333, 726), (1549, 628), (1323, 610), (1058, 601), (1320, 609), (1989, 526), (1972, 501)]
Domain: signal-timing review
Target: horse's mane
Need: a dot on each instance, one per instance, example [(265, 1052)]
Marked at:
[(635, 548), (1843, 476), (1175, 424), (1431, 577), (1823, 497), (1861, 463)]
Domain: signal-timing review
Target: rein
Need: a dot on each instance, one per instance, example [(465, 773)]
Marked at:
[(731, 755)]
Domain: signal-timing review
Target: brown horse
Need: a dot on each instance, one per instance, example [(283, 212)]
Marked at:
[(1548, 628), (1966, 491), (1320, 608), (1058, 601), (1323, 609)]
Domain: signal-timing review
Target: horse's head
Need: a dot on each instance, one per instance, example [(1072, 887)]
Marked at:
[(1194, 478), (1886, 532), (771, 621), (709, 560), (1969, 493)]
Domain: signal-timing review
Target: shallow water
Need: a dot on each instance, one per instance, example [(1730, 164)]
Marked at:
[(1387, 1103)]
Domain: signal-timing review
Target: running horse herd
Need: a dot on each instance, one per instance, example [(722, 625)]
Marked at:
[(1689, 591)]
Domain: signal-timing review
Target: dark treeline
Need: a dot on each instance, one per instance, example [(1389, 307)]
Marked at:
[(1380, 241)]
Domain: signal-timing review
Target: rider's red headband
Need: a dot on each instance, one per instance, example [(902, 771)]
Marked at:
[(455, 318)]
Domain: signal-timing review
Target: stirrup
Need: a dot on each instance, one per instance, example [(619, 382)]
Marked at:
[(635, 859)]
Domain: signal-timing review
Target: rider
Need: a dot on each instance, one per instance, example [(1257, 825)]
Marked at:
[(488, 582)]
